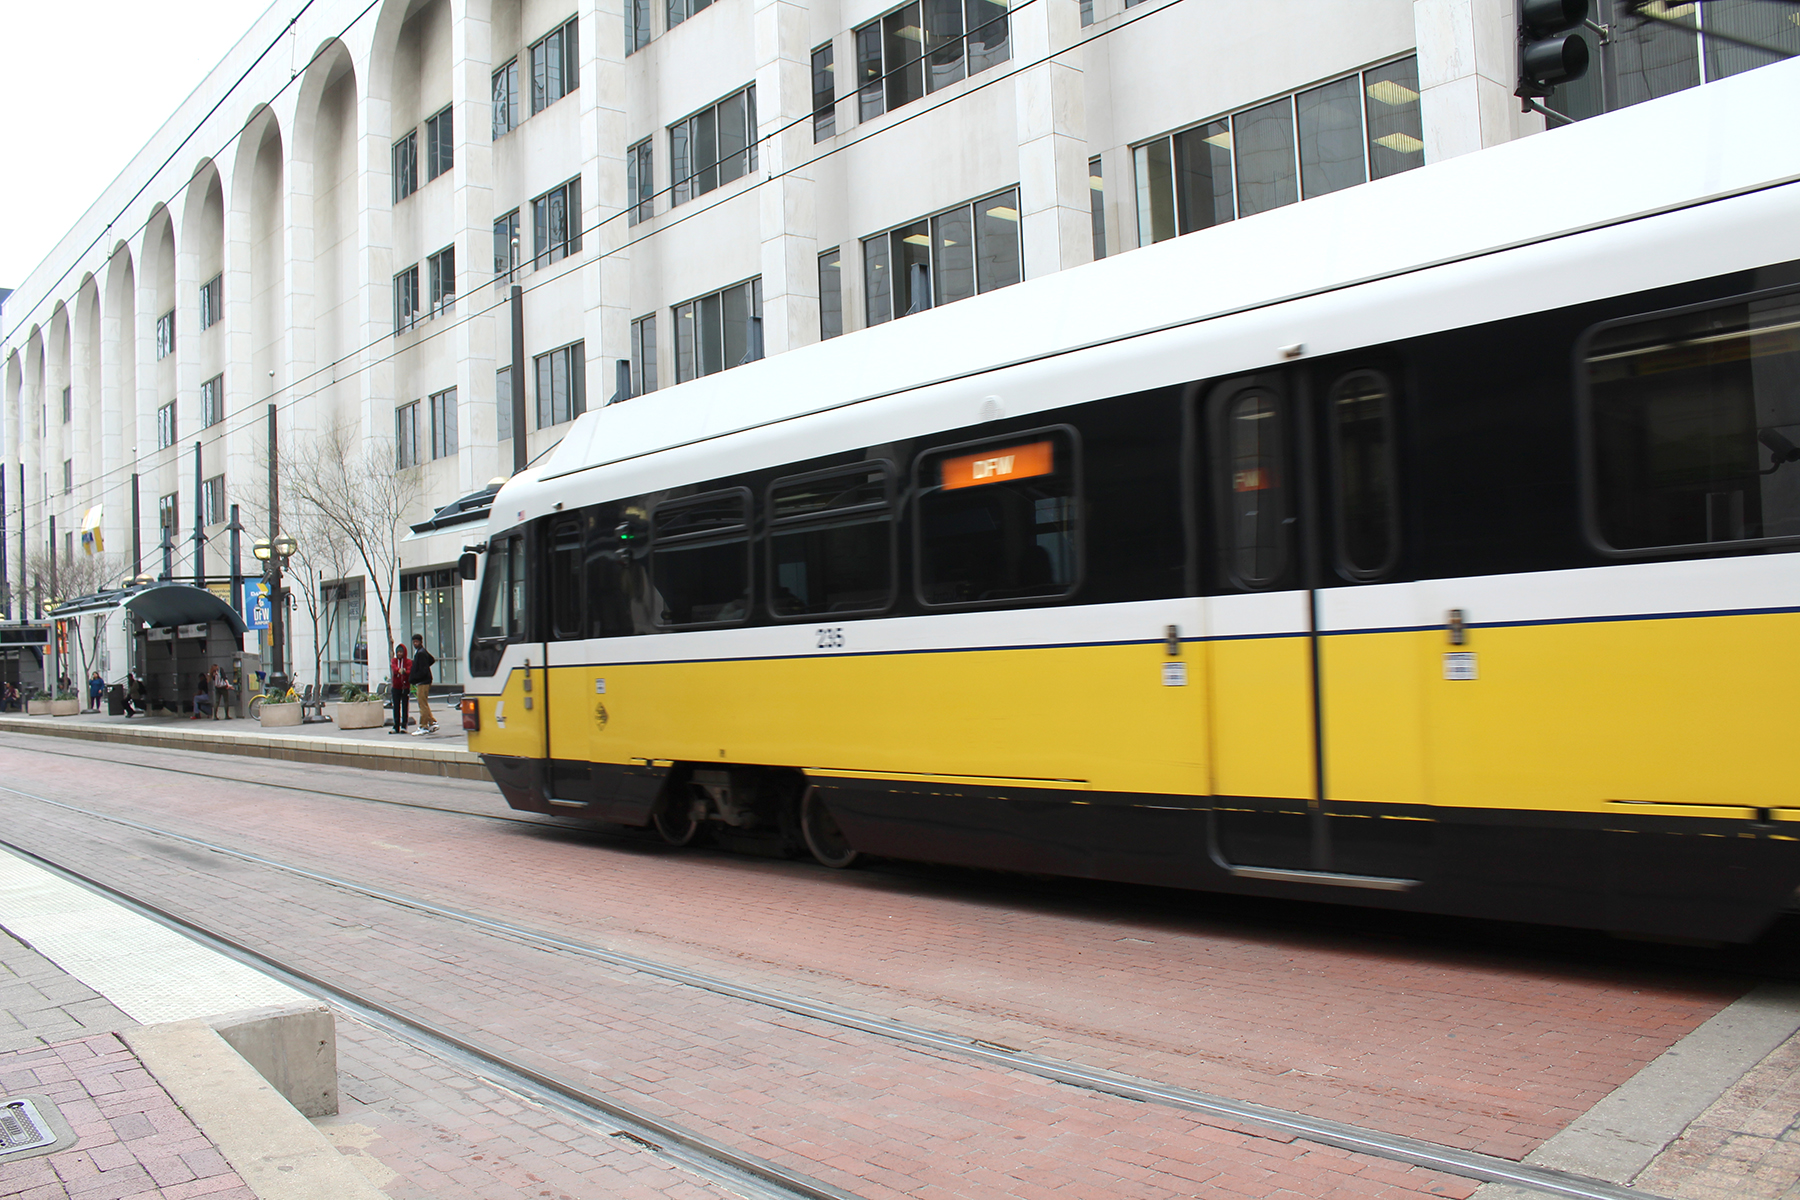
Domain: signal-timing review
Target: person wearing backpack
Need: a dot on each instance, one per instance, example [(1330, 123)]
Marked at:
[(422, 661)]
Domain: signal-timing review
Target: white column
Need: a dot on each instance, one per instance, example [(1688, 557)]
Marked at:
[(1468, 67), (790, 247), (603, 112), (1052, 130)]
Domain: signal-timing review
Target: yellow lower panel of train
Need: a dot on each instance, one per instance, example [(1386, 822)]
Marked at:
[(1688, 711)]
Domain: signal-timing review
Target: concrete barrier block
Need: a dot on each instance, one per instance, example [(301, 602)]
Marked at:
[(294, 1047)]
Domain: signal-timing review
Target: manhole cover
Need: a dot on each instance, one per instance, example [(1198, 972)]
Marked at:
[(31, 1125)]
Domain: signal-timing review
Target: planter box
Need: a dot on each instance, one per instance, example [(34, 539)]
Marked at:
[(37, 708), (362, 714), (64, 708), (280, 714)]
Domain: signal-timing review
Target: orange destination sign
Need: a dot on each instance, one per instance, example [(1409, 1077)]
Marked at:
[(998, 466)]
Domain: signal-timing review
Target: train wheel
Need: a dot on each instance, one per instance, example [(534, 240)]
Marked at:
[(674, 820), (823, 837)]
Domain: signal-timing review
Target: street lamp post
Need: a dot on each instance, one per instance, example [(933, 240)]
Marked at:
[(274, 553)]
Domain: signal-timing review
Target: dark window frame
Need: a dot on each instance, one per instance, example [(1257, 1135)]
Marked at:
[(504, 100), (568, 66), (546, 248), (889, 504), (1391, 463), (212, 302), (1078, 508), (684, 149), (1219, 400), (658, 539), (212, 401), (405, 153), (1587, 444)]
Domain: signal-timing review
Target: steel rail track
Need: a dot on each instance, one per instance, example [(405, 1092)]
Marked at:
[(1324, 1131), (741, 1171)]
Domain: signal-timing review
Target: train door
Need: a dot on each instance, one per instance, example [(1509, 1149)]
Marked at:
[(567, 715), (1250, 463), (1311, 720)]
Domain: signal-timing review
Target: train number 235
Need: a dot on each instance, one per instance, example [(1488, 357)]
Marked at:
[(830, 638)]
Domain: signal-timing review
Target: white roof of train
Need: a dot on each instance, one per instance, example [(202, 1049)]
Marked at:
[(1709, 142)]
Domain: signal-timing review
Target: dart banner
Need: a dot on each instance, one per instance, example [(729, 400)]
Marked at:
[(92, 541)]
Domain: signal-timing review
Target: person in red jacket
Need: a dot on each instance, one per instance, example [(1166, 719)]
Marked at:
[(400, 680)]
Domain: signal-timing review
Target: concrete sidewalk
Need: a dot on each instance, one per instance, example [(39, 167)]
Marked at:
[(132, 1091), (443, 753)]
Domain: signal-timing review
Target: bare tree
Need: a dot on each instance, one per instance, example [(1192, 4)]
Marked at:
[(82, 575), (325, 553), (341, 481)]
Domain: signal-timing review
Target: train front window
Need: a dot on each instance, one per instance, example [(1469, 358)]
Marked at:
[(997, 522), (1695, 426), (831, 543), (700, 559)]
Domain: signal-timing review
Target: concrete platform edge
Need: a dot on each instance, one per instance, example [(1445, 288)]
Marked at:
[(1620, 1136), (412, 760), (276, 1151)]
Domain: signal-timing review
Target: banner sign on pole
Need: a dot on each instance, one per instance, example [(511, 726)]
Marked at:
[(256, 603)]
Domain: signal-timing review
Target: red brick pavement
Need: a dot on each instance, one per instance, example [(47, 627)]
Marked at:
[(1461, 1048), (131, 1140)]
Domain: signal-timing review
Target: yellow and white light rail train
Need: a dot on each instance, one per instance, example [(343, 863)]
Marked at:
[(1426, 545)]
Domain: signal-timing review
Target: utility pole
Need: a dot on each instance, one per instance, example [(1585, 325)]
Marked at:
[(137, 533), (520, 450), (199, 520), (277, 676)]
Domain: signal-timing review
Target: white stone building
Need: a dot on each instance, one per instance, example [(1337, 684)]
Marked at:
[(332, 221)]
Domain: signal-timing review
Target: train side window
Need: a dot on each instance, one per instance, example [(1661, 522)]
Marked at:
[(1360, 414), (615, 542), (565, 580), (1693, 426), (996, 520), (700, 559), (831, 542), (1249, 426)]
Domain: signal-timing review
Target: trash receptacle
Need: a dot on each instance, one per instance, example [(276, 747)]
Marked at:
[(115, 700)]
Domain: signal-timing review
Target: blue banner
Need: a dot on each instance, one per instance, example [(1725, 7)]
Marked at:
[(256, 603)]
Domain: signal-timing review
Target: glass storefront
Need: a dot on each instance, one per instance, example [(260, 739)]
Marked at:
[(347, 642), (431, 605)]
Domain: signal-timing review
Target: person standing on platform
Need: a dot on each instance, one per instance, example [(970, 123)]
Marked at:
[(422, 660), (400, 680), (96, 689)]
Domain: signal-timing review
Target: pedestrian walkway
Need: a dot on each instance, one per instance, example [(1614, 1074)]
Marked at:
[(445, 752), (114, 1086)]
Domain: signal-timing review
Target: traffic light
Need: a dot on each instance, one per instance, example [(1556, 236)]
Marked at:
[(1551, 48)]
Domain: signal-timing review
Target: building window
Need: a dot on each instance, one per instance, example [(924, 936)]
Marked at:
[(643, 355), (68, 399), (506, 98), (212, 401), (972, 249), (1361, 127), (1087, 13), (561, 385), (406, 435), (637, 25), (431, 606), (824, 81), (212, 500), (681, 10), (168, 514), (165, 426), (640, 184), (503, 406), (443, 423), (718, 331), (406, 299), (212, 302), (440, 143), (506, 247), (831, 294), (1689, 44), (346, 634), (556, 224), (406, 166), (713, 147), (443, 280), (165, 334), (901, 57), (68, 475), (555, 67), (1097, 206)]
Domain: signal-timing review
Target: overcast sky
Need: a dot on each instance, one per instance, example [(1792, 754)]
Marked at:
[(87, 82)]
